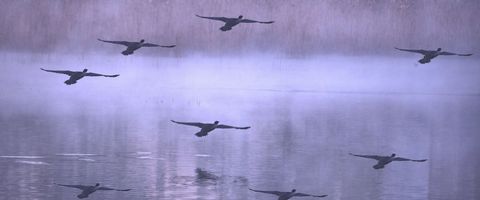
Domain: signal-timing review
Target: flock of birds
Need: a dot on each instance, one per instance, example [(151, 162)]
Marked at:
[(428, 55), (206, 128)]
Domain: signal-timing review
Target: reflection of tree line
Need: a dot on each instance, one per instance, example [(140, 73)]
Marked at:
[(295, 32)]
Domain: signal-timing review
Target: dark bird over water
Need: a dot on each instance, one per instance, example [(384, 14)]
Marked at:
[(87, 190), (384, 160), (206, 128), (77, 75), (287, 195), (133, 46), (231, 22), (428, 55)]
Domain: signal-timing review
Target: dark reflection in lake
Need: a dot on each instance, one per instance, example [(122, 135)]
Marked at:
[(298, 140)]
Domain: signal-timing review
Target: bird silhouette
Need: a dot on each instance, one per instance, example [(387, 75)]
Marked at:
[(231, 22)]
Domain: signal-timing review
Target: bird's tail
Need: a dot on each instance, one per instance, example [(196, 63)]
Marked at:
[(378, 166), (70, 82), (424, 60), (226, 28), (127, 52), (82, 196), (201, 134)]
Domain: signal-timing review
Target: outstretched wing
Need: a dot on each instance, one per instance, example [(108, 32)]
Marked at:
[(199, 125), (278, 193), (223, 19), (81, 187), (117, 42), (253, 21), (421, 51), (59, 71), (107, 188), (95, 74), (308, 195), (406, 159), (446, 53), (156, 45), (235, 127), (368, 156)]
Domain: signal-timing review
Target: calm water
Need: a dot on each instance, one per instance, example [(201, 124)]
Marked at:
[(52, 133)]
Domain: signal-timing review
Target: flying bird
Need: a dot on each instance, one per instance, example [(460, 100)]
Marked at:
[(231, 22), (77, 75), (287, 195), (87, 190), (384, 160), (428, 55), (206, 128), (133, 46)]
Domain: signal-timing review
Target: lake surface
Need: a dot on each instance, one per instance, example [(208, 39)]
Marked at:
[(117, 132)]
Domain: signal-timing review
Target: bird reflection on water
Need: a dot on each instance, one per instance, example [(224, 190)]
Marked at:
[(206, 178)]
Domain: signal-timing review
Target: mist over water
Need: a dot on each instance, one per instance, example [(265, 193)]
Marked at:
[(321, 82)]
